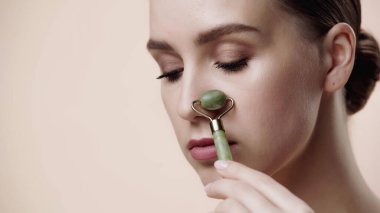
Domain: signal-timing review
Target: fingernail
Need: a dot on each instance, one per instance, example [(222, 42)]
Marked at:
[(221, 164)]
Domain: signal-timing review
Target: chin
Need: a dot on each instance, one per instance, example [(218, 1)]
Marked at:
[(207, 175)]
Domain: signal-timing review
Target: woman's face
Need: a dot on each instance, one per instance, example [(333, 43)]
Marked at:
[(255, 53)]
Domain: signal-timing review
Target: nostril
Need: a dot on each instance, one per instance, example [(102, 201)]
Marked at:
[(199, 119), (185, 112)]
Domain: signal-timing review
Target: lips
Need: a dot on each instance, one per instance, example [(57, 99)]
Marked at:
[(204, 149), (200, 143)]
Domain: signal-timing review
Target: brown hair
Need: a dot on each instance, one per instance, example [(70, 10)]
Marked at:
[(318, 17)]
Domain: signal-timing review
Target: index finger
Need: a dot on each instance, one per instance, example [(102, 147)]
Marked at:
[(265, 184)]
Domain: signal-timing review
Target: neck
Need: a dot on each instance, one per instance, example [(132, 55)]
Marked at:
[(325, 175)]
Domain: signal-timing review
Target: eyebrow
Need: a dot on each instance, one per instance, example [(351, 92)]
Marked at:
[(224, 30), (206, 37), (158, 45)]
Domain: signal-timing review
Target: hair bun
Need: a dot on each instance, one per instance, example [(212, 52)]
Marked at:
[(365, 74)]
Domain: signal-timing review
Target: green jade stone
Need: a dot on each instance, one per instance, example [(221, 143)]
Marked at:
[(221, 144), (213, 100)]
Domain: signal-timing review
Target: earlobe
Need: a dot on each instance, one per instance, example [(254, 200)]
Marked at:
[(340, 42)]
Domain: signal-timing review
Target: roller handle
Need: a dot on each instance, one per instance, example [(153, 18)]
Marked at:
[(221, 144)]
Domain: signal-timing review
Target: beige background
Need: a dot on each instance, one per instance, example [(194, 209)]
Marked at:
[(82, 126)]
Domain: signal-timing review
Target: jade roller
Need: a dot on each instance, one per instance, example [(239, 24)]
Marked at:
[(213, 100)]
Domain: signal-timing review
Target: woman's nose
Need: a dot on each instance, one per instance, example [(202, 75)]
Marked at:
[(185, 100), (192, 86)]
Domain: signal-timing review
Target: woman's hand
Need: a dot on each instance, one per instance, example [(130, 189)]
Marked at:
[(245, 190)]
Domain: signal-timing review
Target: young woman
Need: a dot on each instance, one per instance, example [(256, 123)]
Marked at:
[(296, 70)]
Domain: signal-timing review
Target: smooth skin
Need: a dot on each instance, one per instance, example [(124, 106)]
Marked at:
[(293, 152)]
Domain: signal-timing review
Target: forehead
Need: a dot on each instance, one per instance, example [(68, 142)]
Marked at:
[(178, 18)]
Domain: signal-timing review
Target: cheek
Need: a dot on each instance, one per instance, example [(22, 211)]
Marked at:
[(279, 113), (290, 101), (169, 97)]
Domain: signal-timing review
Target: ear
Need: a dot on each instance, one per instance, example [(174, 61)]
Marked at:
[(340, 43)]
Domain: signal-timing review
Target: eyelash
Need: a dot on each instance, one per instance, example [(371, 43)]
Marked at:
[(172, 76), (230, 67), (233, 66)]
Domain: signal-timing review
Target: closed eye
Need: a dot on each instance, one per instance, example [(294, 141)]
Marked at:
[(172, 76), (233, 66)]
